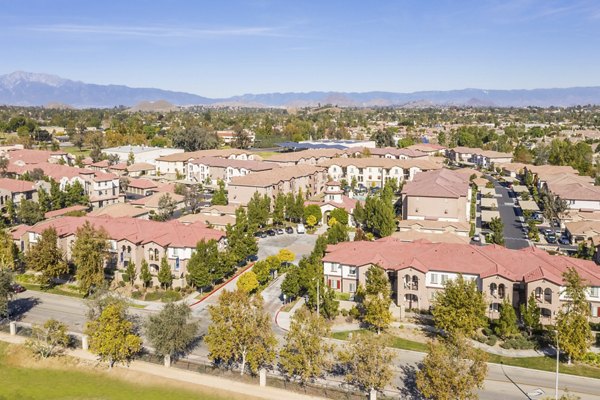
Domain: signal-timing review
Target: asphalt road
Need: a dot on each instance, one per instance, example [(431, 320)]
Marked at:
[(514, 237), (502, 383)]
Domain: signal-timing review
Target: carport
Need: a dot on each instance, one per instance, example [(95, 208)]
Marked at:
[(488, 215), (488, 192), (520, 189), (489, 203), (528, 205)]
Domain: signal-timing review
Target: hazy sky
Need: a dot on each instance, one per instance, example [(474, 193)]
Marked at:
[(220, 48)]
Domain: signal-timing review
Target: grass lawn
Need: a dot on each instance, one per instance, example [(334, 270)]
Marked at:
[(266, 154), (539, 363), (23, 382), (75, 151), (54, 290)]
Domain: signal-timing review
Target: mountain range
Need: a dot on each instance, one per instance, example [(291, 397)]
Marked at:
[(34, 89)]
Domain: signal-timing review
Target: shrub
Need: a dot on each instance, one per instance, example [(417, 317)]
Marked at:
[(125, 277), (518, 343), (344, 312), (354, 313), (488, 331), (481, 339), (491, 341), (153, 296), (122, 284), (592, 358), (136, 295), (170, 295)]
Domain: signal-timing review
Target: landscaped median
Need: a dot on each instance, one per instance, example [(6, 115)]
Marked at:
[(539, 363)]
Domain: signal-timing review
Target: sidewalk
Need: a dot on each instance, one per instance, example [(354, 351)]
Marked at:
[(195, 378)]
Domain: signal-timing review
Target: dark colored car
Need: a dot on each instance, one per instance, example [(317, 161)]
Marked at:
[(551, 239), (564, 240), (271, 232), (289, 229), (252, 258), (258, 234), (16, 288)]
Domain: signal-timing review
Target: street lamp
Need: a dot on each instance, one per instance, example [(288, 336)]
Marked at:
[(557, 365)]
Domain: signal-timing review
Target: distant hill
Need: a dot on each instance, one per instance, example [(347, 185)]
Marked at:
[(31, 89)]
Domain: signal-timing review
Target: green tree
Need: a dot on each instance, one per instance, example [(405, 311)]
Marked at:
[(131, 272), (278, 214), (45, 257), (166, 207), (247, 283), (359, 214), (220, 195), (112, 335), (29, 212), (259, 209), (203, 265), (44, 200), (379, 216), (377, 300), (6, 291), (305, 354), (170, 332), (194, 138), (340, 215), (497, 228), (460, 308), (11, 211), (240, 332), (130, 158), (145, 275), (311, 221), (451, 370), (314, 211), (8, 251), (337, 233), (367, 362), (165, 277), (240, 237), (88, 254), (506, 326), (574, 332), (3, 165), (530, 314), (286, 256), (49, 339)]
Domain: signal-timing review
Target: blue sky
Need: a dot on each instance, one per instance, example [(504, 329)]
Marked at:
[(221, 48)]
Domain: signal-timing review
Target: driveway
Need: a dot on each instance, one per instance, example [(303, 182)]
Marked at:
[(512, 217)]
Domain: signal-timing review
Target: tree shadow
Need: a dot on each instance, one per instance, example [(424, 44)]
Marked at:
[(18, 307), (409, 379)]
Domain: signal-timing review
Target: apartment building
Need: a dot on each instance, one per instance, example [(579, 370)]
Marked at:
[(370, 172), (16, 190), (229, 136), (214, 169), (418, 270), (177, 163), (308, 178), (102, 188), (429, 148), (305, 157), (440, 195), (387, 152), (334, 198), (132, 240), (477, 156), (21, 157)]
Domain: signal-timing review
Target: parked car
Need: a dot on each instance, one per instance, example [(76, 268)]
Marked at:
[(548, 231), (289, 229), (564, 240), (279, 231), (551, 238), (252, 258), (16, 288), (258, 234), (271, 232), (300, 228), (476, 238)]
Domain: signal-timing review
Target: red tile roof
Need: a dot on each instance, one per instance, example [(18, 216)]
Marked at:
[(16, 185), (142, 184), (138, 231), (63, 211), (527, 265)]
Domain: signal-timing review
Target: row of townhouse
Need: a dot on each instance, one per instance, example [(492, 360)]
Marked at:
[(371, 172), (387, 152), (306, 157), (177, 164), (135, 170), (310, 179), (213, 169), (418, 270), (131, 240), (102, 188), (16, 190), (477, 156)]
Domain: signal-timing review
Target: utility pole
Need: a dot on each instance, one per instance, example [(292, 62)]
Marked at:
[(319, 301)]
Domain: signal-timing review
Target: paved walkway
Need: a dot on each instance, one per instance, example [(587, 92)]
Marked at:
[(195, 378)]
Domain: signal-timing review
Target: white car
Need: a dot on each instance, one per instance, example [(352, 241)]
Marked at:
[(300, 228)]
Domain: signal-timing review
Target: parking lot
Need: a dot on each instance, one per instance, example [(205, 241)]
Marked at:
[(299, 244)]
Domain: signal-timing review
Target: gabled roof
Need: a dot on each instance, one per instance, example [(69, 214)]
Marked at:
[(16, 185), (275, 176), (138, 231), (526, 265), (251, 165)]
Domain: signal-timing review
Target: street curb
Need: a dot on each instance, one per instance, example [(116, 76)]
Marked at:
[(277, 322), (221, 287)]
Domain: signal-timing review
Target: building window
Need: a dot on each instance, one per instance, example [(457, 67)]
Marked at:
[(156, 255), (493, 289), (434, 279), (150, 254), (352, 287), (352, 271), (501, 290), (548, 295), (444, 278), (593, 291), (538, 293), (334, 267)]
